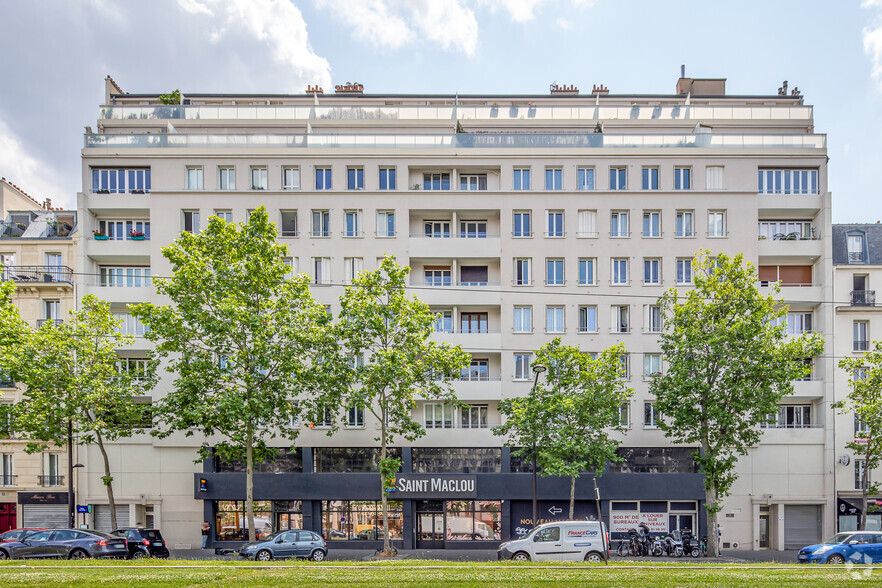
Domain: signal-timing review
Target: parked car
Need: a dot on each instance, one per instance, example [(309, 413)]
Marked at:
[(65, 543), (285, 544), (16, 534), (561, 540), (143, 542), (853, 546)]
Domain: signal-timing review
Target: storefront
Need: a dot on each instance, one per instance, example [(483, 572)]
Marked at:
[(849, 509)]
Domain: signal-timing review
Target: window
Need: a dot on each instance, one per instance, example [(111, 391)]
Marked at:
[(653, 318), (651, 416), (385, 223), (587, 319), (437, 276), (799, 323), (51, 470), (587, 220), (621, 316), (121, 181), (620, 271), (473, 182), (473, 229), (548, 535), (521, 178), (785, 230), (624, 367), (355, 417), (436, 229), (478, 371), (323, 178), (122, 230), (289, 223), (523, 319), (618, 224), (291, 262), (191, 221), (861, 336), (353, 267), (124, 276), (290, 178), (355, 178), (860, 483), (429, 460), (553, 178), (226, 178), (586, 272), (585, 178), (554, 272), (226, 215), (797, 416), (714, 177), (716, 223), (652, 272), (52, 310), (685, 223), (522, 370), (321, 270), (387, 178), (194, 178), (787, 181), (625, 415), (7, 477), (522, 271), (618, 178), (473, 322), (352, 223), (684, 271), (357, 520), (650, 178), (473, 416), (129, 325), (855, 248), (651, 365), (682, 178), (321, 223), (436, 181), (258, 178), (473, 275), (555, 223), (444, 321), (554, 319), (521, 224), (651, 223)]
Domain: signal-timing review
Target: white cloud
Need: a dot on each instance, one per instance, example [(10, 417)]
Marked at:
[(27, 172), (520, 11), (563, 23), (872, 36)]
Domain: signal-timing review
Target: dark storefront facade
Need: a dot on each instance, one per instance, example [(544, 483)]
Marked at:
[(453, 498)]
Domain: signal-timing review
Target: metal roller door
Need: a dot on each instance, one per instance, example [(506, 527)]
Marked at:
[(51, 516), (802, 525), (102, 516)]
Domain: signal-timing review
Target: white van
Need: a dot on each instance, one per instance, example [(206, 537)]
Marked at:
[(560, 541)]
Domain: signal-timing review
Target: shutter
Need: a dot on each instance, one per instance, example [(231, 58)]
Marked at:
[(802, 525), (45, 516), (473, 273), (587, 223), (768, 273), (800, 275), (326, 270), (102, 517)]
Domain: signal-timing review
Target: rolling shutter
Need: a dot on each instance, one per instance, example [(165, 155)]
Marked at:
[(102, 517), (802, 525), (40, 516)]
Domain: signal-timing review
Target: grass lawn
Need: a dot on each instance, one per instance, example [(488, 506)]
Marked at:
[(14, 574)]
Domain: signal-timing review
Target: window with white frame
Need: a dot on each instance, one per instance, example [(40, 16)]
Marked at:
[(652, 365), (226, 178), (324, 419), (291, 262), (716, 223), (323, 178), (321, 267), (436, 181), (355, 178), (52, 470), (258, 178), (618, 223), (473, 416), (385, 223), (437, 275), (471, 182), (625, 415), (478, 371), (226, 215), (855, 244), (620, 271), (129, 324), (522, 274), (624, 366), (785, 230), (523, 319), (651, 223), (653, 318), (787, 181), (52, 310), (799, 323), (352, 223), (682, 178), (650, 178), (587, 318), (124, 230), (714, 177), (790, 416), (194, 178), (437, 415), (684, 270), (121, 181), (388, 179), (521, 178), (555, 223), (190, 221), (554, 272), (288, 225), (554, 319), (353, 266), (618, 177), (585, 178), (860, 467), (7, 474), (621, 318), (321, 223), (652, 271), (685, 223), (473, 229), (587, 221), (124, 276), (861, 336), (553, 178), (290, 178), (521, 225), (444, 321), (355, 417), (522, 370), (587, 276), (651, 416)]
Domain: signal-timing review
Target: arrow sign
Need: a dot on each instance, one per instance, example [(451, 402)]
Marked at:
[(555, 510)]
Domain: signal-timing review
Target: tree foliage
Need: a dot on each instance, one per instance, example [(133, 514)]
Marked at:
[(730, 362), (570, 417), (390, 334), (242, 337), (864, 401)]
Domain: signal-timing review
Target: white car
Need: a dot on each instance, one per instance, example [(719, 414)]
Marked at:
[(560, 541)]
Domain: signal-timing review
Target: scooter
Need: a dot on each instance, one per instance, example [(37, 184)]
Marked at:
[(674, 544)]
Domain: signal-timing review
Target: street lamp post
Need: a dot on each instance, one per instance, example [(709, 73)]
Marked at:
[(71, 511), (537, 369)]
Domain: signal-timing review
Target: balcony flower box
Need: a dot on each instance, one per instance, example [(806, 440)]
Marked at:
[(99, 236), (137, 235)]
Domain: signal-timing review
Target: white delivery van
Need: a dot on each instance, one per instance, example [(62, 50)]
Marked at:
[(560, 541)]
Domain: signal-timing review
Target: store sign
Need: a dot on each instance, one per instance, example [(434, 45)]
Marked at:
[(42, 497), (622, 520), (434, 486)]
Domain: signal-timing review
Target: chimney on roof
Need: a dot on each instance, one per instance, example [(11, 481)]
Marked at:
[(601, 89), (47, 204), (110, 87), (315, 89), (570, 90), (782, 91), (349, 88), (701, 86), (683, 71)]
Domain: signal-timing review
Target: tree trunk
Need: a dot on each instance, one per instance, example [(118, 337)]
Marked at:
[(865, 488), (108, 482), (387, 542), (572, 496), (710, 498), (249, 480)]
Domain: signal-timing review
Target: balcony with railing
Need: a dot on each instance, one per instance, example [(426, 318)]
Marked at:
[(43, 321), (7, 480), (49, 481), (37, 274), (863, 298), (861, 345)]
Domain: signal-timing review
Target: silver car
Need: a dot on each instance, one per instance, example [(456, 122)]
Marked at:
[(285, 544)]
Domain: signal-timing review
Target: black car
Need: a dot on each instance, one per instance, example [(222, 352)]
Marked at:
[(143, 542), (65, 543)]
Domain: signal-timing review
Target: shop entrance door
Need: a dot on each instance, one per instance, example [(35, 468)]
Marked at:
[(7, 516), (430, 524), (765, 522)]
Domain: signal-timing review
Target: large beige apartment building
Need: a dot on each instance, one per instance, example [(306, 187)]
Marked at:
[(523, 218)]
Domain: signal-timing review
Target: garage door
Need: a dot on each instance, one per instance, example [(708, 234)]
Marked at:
[(44, 516), (802, 525), (102, 516)]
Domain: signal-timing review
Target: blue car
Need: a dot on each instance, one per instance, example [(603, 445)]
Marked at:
[(855, 546)]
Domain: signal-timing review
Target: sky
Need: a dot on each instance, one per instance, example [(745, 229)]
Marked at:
[(54, 55)]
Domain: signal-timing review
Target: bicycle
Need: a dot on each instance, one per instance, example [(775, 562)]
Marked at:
[(701, 550)]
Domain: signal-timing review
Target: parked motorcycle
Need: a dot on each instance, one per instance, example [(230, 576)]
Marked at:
[(690, 543), (674, 544)]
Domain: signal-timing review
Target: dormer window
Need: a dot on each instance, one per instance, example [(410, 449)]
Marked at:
[(855, 248)]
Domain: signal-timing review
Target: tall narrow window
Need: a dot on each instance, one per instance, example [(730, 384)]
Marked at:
[(716, 223), (651, 365), (521, 226), (321, 270), (855, 244), (522, 369), (620, 271), (651, 416), (289, 223), (653, 318), (554, 272), (352, 223), (321, 223), (554, 319), (621, 319), (651, 223), (685, 223), (586, 272), (227, 178), (587, 224), (385, 223), (355, 417), (714, 177), (618, 178), (587, 319), (353, 267), (191, 221), (194, 178), (553, 178), (682, 178), (523, 319), (387, 178), (290, 178), (684, 271), (355, 178), (555, 223), (585, 178), (444, 321), (652, 271), (618, 224), (650, 178), (522, 271), (521, 178), (258, 178), (323, 178), (860, 329)]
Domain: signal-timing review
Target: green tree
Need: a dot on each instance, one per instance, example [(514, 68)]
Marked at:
[(13, 332), (242, 338), (76, 386), (729, 364), (864, 401), (570, 417), (390, 334)]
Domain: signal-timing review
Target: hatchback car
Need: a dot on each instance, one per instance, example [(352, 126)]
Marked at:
[(65, 543), (285, 544), (854, 547), (16, 534), (143, 542)]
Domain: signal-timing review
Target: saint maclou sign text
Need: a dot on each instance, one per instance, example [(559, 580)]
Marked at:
[(435, 486)]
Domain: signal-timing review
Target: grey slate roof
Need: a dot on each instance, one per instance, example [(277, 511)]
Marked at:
[(872, 243)]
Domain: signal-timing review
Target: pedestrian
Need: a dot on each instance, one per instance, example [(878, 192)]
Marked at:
[(139, 525), (205, 529)]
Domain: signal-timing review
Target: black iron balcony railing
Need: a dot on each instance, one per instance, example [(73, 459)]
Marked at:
[(855, 257), (863, 297), (37, 273), (41, 322), (46, 481), (7, 479), (860, 345)]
